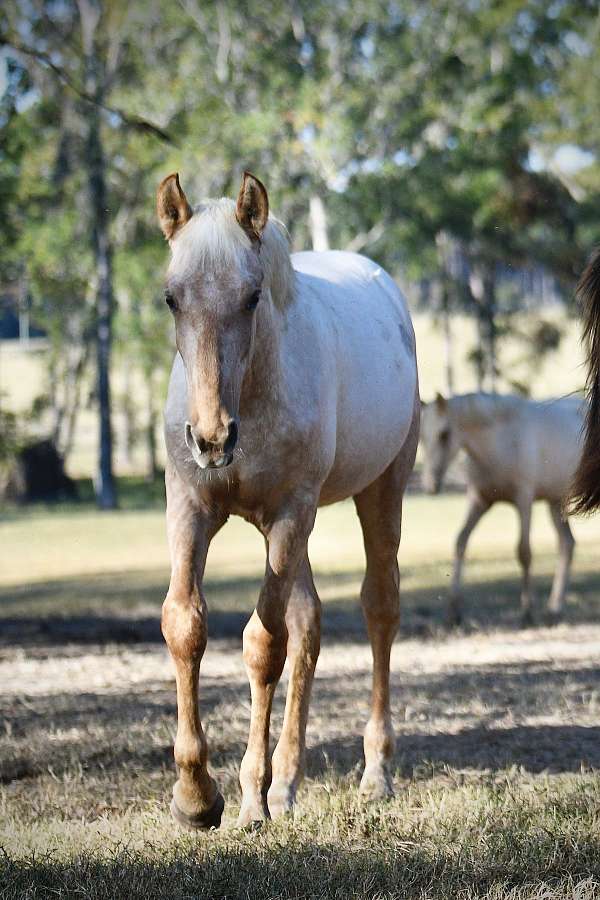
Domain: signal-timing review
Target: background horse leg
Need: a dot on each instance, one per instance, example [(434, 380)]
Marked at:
[(265, 640), (303, 620), (524, 556), (196, 801), (477, 509), (566, 544), (379, 508)]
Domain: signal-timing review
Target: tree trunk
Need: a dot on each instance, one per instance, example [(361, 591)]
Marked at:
[(445, 247), (317, 215), (96, 172), (448, 344), (482, 284)]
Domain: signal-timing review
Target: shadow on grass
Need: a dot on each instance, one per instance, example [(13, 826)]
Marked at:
[(534, 749), (124, 607), (520, 864), (133, 730)]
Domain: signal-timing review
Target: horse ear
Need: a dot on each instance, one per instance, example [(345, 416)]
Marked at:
[(172, 206), (441, 403), (252, 207)]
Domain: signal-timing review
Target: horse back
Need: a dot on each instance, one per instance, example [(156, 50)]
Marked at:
[(360, 321), (532, 451)]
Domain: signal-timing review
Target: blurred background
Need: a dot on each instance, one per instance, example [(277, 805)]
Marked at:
[(453, 142)]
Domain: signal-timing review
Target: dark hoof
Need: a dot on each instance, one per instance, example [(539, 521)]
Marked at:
[(453, 619), (527, 620), (210, 818), (553, 618)]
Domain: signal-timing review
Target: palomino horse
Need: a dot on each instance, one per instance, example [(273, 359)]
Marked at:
[(586, 484), (295, 386), (517, 451)]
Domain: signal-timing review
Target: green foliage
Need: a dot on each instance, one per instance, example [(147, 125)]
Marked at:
[(409, 121)]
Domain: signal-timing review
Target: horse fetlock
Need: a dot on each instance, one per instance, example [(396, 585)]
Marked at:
[(379, 739)]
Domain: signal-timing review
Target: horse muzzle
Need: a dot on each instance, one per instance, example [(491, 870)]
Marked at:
[(212, 454)]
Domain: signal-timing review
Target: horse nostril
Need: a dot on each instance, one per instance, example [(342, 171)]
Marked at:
[(193, 441), (232, 436), (189, 436)]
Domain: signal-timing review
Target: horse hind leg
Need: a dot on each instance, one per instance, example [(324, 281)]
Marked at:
[(566, 544), (379, 509), (524, 557), (303, 620)]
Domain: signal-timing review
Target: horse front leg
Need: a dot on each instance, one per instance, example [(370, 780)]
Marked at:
[(477, 509), (196, 802), (265, 647)]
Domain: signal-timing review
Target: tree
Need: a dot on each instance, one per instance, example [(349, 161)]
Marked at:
[(79, 49)]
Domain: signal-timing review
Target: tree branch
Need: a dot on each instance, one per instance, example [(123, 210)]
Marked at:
[(136, 122), (364, 238)]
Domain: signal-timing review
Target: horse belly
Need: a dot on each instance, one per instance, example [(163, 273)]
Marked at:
[(375, 412)]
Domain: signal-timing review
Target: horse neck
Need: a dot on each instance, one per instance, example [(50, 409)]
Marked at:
[(470, 422)]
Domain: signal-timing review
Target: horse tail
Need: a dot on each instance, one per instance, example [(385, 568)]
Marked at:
[(585, 490)]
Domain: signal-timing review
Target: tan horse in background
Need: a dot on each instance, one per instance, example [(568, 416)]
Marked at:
[(295, 386), (518, 451), (585, 492)]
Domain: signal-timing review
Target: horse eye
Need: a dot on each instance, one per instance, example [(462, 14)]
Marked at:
[(252, 303), (170, 301), (445, 435)]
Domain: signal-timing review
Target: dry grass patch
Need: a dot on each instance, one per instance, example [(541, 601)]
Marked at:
[(498, 791)]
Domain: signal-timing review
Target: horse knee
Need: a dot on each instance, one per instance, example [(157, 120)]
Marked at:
[(184, 626), (264, 653)]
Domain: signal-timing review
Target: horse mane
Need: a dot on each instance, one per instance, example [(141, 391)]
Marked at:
[(585, 490), (213, 239), (485, 409)]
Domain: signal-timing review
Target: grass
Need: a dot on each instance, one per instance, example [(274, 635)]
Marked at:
[(498, 758)]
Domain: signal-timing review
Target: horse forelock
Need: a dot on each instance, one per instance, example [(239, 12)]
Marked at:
[(213, 240)]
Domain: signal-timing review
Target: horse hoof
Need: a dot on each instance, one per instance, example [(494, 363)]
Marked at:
[(253, 816), (375, 786), (527, 620), (281, 799), (210, 818), (553, 618), (453, 617)]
